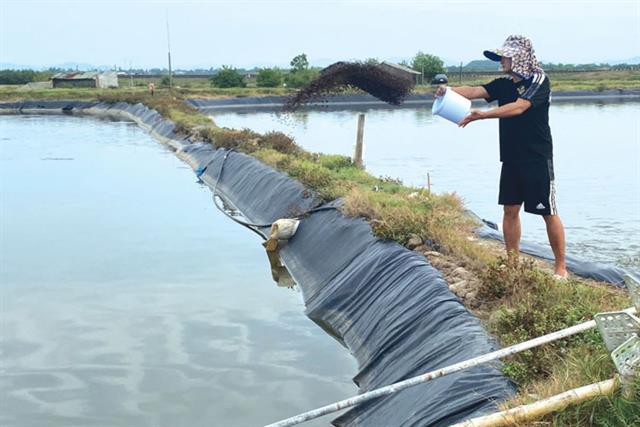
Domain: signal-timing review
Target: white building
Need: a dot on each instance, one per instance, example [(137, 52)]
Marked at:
[(86, 79)]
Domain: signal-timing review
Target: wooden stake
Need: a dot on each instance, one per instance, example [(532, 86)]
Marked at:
[(357, 157)]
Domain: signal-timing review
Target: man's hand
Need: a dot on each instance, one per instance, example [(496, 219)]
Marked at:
[(471, 117)]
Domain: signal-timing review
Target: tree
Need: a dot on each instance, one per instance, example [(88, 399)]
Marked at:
[(228, 77), (430, 65), (301, 78), (269, 77), (299, 63), (17, 77)]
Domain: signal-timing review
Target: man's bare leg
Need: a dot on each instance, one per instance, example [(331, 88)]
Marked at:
[(555, 231), (511, 230)]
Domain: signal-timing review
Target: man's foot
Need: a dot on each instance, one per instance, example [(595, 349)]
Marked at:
[(513, 258), (561, 274)]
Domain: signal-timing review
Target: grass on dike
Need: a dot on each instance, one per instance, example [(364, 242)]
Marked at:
[(520, 301)]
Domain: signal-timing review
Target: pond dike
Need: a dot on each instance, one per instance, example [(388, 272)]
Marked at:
[(364, 100), (385, 303)]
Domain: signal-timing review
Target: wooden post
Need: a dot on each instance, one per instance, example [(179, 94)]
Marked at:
[(428, 182), (357, 157)]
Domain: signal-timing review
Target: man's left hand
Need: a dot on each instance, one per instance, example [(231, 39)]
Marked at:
[(471, 117)]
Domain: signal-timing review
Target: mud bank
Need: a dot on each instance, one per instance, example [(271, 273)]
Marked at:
[(385, 303)]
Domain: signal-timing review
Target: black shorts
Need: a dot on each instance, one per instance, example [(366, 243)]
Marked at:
[(531, 183)]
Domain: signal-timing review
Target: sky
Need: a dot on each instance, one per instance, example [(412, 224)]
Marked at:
[(207, 34)]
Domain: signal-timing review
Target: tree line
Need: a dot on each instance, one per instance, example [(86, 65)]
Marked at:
[(20, 77), (300, 72)]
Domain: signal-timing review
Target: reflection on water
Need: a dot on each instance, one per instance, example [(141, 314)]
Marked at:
[(127, 299), (596, 150)]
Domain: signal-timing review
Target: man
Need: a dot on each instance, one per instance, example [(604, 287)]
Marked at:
[(525, 142)]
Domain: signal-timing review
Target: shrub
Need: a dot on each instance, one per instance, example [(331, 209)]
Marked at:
[(532, 303), (19, 77), (244, 140), (600, 87), (313, 175), (227, 77), (165, 81), (335, 161), (280, 142), (301, 78), (269, 77)]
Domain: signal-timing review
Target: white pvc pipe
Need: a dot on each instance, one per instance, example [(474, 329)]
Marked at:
[(390, 389)]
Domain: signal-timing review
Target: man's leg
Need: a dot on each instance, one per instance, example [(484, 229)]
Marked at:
[(555, 231), (511, 229)]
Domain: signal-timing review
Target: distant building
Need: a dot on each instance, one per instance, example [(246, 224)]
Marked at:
[(86, 79), (401, 71)]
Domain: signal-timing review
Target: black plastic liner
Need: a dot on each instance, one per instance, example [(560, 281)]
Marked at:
[(397, 316), (387, 304), (261, 197), (391, 309)]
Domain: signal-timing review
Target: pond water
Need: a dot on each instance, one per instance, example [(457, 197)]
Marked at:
[(596, 156), (127, 299)]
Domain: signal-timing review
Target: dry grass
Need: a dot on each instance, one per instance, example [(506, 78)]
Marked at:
[(521, 303)]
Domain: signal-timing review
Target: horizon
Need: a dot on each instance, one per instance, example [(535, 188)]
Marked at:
[(78, 66)]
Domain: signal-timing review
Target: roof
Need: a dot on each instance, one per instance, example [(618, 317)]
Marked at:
[(79, 75)]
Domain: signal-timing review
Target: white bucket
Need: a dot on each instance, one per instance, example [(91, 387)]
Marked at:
[(452, 106)]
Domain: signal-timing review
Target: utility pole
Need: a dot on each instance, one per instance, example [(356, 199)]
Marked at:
[(169, 50), (460, 72)]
